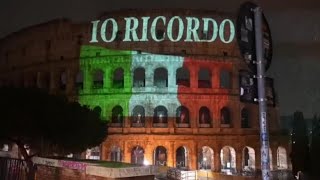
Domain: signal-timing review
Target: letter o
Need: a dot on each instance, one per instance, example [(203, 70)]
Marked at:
[(221, 31), (114, 30), (169, 29)]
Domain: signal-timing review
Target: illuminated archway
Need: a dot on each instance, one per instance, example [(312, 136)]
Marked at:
[(228, 159), (182, 116), (118, 78), (204, 78), (183, 77), (182, 157), (204, 116), (137, 155), (160, 77), (117, 114), (248, 159), (115, 154), (225, 116), (160, 156), (205, 158), (97, 79), (160, 116), (282, 162), (138, 116), (139, 77)]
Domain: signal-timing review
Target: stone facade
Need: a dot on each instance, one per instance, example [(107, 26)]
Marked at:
[(57, 56)]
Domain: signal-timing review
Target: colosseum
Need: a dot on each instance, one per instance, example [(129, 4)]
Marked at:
[(172, 95)]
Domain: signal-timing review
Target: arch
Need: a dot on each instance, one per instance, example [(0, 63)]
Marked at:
[(183, 77), (270, 158), (204, 115), (282, 162), (97, 110), (138, 116), (137, 155), (182, 157), (204, 78), (63, 80), (79, 80), (205, 158), (98, 79), (160, 116), (118, 78), (225, 79), (160, 156), (228, 159), (182, 115), (117, 114), (248, 159), (115, 154), (225, 115), (160, 77), (245, 122), (139, 77)]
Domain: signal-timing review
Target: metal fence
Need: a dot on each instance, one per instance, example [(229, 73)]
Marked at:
[(12, 169)]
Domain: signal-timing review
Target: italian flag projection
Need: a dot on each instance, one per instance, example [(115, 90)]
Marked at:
[(133, 84)]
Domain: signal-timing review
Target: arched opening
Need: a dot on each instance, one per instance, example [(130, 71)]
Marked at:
[(182, 116), (117, 114), (138, 116), (118, 78), (97, 110), (79, 80), (206, 158), (228, 159), (160, 78), (183, 77), (160, 117), (115, 154), (245, 118), (139, 77), (93, 153), (282, 162), (248, 159), (204, 117), (98, 79), (225, 117), (225, 80), (182, 158), (160, 156), (63, 80), (204, 78), (137, 155), (270, 158)]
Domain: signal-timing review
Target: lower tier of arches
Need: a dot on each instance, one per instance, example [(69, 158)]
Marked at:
[(227, 153)]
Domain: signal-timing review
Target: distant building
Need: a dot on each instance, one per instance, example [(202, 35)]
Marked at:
[(167, 103)]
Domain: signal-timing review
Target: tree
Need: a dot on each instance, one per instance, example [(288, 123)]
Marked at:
[(47, 124), (300, 149), (315, 148)]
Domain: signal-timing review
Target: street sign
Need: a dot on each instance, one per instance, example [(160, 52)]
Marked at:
[(246, 37)]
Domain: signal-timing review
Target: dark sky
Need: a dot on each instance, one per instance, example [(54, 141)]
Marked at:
[(295, 27)]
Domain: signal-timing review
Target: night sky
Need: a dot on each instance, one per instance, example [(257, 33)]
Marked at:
[(295, 27)]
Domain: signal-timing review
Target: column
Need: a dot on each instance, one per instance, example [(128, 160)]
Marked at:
[(216, 78), (127, 79), (194, 77), (238, 160), (149, 77), (217, 159), (107, 78), (235, 78), (87, 80), (171, 77)]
